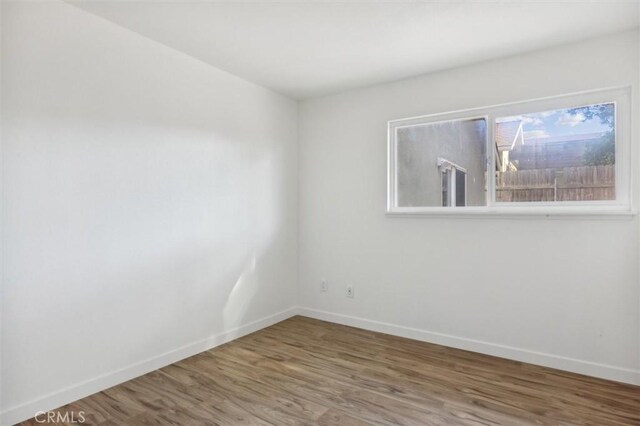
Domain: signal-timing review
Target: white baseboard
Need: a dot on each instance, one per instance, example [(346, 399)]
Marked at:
[(579, 366), (73, 393)]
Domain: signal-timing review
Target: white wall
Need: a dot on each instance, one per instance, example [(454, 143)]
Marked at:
[(150, 203), (556, 292)]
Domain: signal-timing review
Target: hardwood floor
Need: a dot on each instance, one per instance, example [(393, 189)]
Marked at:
[(304, 371)]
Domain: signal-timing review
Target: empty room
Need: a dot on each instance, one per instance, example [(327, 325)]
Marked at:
[(318, 212)]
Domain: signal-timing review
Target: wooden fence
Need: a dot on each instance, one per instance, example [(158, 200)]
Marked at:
[(566, 184)]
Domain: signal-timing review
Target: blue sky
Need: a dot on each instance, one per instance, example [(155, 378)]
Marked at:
[(559, 123)]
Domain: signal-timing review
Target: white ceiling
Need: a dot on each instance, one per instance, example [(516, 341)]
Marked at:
[(310, 48)]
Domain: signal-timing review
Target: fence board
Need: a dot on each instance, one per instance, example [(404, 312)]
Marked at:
[(567, 184)]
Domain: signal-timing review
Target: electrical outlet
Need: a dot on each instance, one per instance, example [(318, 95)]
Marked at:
[(324, 285), (350, 291)]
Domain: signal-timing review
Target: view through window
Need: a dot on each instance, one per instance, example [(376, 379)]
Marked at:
[(559, 155), (442, 164)]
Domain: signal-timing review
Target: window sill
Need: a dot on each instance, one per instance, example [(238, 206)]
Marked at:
[(556, 212)]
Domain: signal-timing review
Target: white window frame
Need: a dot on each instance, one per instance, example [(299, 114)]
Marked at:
[(623, 205), (450, 170)]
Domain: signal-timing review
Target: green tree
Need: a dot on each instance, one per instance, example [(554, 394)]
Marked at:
[(602, 152), (604, 112)]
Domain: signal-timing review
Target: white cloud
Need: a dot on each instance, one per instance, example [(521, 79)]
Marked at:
[(572, 120), (526, 119), (534, 121), (535, 134), (546, 114), (507, 119)]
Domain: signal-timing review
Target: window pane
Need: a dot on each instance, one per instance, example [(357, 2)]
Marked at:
[(461, 188), (425, 153), (560, 155), (445, 189)]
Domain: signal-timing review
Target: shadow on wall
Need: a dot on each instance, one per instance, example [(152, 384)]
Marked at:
[(147, 200), (141, 250)]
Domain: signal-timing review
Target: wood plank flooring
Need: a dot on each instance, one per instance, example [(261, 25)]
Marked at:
[(305, 371)]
